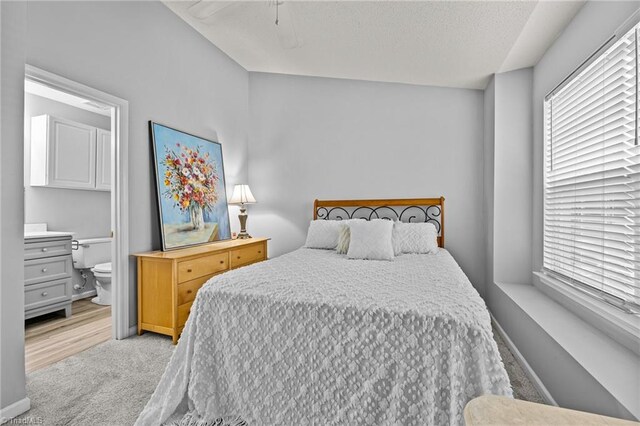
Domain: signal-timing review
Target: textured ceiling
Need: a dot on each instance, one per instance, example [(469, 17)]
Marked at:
[(438, 43)]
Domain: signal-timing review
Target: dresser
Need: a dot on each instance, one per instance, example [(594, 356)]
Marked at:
[(168, 281), (47, 275)]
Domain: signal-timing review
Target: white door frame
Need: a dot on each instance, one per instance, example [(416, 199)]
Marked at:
[(119, 187)]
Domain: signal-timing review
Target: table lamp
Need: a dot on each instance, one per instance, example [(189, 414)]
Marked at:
[(242, 195)]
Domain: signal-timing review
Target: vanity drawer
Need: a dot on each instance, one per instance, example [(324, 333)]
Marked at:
[(48, 293), (183, 313), (38, 250), (47, 269), (246, 255), (201, 266), (187, 291)]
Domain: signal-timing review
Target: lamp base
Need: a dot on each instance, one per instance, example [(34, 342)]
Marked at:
[(243, 223)]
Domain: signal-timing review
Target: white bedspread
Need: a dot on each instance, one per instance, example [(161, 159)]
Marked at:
[(313, 338)]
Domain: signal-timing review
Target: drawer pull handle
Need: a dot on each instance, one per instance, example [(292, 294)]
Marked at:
[(189, 291), (238, 257), (222, 262), (44, 294), (259, 251), (44, 269), (44, 249), (189, 270)]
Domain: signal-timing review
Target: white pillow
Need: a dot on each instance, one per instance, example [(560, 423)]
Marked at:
[(371, 239), (414, 238), (323, 234), (344, 236)]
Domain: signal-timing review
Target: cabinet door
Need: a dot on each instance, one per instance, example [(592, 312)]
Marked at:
[(72, 154), (103, 161)]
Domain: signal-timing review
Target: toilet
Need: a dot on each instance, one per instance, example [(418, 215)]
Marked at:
[(102, 273), (95, 254)]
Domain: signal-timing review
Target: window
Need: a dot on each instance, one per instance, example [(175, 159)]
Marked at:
[(592, 177)]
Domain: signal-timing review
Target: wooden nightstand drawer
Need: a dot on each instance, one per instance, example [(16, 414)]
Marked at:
[(187, 291), (206, 265), (183, 313), (247, 255)]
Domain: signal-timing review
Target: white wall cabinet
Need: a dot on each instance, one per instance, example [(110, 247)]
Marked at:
[(68, 154), (103, 160)]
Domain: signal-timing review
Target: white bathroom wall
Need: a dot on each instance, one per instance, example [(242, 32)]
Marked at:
[(87, 213), (334, 139)]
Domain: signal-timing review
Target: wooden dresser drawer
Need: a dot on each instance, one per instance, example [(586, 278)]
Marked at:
[(37, 250), (247, 255), (38, 295), (183, 313), (168, 282), (187, 290), (201, 266), (47, 269)]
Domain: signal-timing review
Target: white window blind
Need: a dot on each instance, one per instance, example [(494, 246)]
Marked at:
[(592, 177)]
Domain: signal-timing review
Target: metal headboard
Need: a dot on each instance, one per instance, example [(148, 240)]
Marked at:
[(429, 210)]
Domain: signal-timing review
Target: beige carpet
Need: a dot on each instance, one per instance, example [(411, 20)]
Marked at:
[(109, 384), (522, 386)]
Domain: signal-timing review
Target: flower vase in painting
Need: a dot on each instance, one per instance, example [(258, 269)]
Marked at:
[(197, 217)]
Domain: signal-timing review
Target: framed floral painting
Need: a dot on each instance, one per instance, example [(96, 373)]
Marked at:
[(192, 198)]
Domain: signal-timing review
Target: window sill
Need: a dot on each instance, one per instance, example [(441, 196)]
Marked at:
[(622, 327), (611, 365)]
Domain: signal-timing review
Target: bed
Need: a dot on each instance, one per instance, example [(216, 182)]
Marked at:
[(311, 337)]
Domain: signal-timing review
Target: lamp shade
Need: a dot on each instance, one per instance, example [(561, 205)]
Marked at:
[(242, 195)]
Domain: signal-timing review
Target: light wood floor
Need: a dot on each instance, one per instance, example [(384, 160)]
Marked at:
[(51, 338)]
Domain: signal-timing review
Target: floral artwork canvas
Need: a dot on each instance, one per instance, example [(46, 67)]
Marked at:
[(190, 180)]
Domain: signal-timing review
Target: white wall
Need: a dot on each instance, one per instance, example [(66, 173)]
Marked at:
[(512, 175), (12, 379), (331, 139), (488, 182), (507, 180), (138, 51), (87, 213), (143, 53), (591, 27), (580, 366), (310, 138)]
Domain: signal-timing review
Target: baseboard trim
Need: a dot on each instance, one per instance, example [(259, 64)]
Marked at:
[(537, 383), (84, 295), (14, 410), (133, 330)]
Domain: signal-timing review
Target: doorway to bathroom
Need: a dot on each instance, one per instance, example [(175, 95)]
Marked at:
[(75, 203)]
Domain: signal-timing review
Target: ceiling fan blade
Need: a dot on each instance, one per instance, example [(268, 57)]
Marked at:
[(205, 9), (286, 27)]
